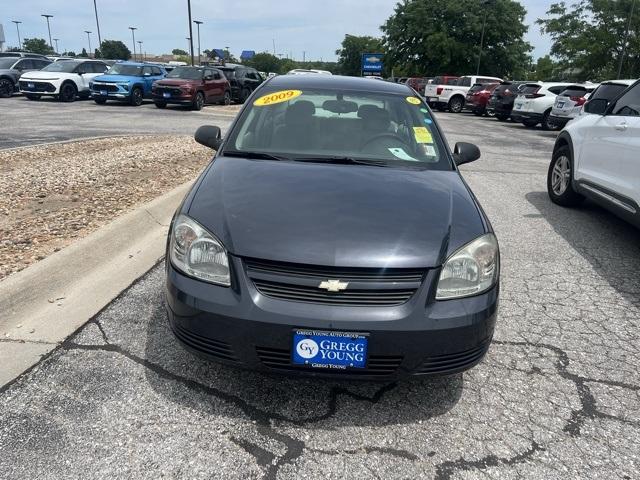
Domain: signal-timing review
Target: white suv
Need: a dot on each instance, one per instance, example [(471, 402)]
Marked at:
[(64, 80), (598, 156), (534, 103)]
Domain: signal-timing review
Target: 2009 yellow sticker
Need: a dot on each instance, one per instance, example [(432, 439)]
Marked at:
[(422, 135), (414, 100), (277, 97)]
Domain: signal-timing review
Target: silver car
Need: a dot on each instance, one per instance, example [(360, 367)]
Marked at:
[(568, 104), (11, 68)]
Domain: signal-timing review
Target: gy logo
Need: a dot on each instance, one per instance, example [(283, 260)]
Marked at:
[(307, 348)]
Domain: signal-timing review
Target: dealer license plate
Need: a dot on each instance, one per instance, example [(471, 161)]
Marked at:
[(433, 99), (518, 106), (166, 94), (560, 105), (335, 350), (31, 85)]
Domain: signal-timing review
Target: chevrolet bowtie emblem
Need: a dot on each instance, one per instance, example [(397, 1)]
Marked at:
[(333, 285)]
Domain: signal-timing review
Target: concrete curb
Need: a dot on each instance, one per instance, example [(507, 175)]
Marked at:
[(45, 303)]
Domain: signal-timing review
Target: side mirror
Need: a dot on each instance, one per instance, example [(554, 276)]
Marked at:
[(597, 106), (465, 152), (209, 136), (208, 78)]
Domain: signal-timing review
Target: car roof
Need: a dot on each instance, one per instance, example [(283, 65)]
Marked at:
[(625, 81), (337, 82)]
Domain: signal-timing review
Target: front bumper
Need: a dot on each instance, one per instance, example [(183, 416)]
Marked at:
[(241, 327), (109, 91), (38, 87), (560, 121), (184, 99)]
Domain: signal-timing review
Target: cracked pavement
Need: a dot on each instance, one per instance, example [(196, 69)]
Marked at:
[(558, 395)]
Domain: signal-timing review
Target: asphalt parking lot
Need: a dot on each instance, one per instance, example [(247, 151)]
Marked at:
[(558, 395), (24, 122)]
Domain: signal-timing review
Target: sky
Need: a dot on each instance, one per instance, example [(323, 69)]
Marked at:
[(295, 26)]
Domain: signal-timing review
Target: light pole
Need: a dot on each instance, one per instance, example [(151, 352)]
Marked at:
[(626, 37), (190, 31), (18, 22), (227, 54), (133, 36), (95, 8), (198, 23), (56, 40), (140, 50), (484, 5), (48, 27), (89, 38)]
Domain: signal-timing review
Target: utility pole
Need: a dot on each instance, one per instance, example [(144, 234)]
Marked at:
[(48, 28), (198, 23), (95, 8), (626, 38), (190, 32), (18, 22), (89, 39), (133, 36), (56, 40)]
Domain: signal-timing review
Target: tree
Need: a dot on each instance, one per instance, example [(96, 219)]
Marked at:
[(546, 70), (37, 45), (179, 51), (84, 53), (114, 50), (264, 62), (69, 54), (440, 36), (590, 38), (350, 55)]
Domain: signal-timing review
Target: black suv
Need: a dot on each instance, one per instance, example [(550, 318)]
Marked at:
[(243, 80), (502, 99)]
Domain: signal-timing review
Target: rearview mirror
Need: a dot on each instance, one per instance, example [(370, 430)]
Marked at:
[(465, 152), (597, 106), (209, 136)]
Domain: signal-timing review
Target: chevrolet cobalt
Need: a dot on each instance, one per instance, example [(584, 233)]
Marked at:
[(333, 235)]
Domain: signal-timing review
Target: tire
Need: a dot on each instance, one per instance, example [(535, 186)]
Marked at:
[(136, 97), (547, 123), (502, 117), (68, 92), (559, 179), (100, 101), (6, 88), (32, 96), (226, 99), (490, 114), (529, 123), (198, 101), (456, 104), (161, 104)]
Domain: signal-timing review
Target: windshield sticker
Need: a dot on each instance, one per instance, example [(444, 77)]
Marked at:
[(414, 100), (401, 154), (429, 150), (428, 121), (277, 97), (422, 135), (424, 110)]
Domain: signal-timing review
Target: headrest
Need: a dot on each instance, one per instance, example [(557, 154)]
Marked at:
[(302, 110)]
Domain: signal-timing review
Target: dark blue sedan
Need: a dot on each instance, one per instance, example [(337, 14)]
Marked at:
[(333, 235)]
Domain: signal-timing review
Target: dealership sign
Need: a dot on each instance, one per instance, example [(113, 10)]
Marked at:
[(372, 63)]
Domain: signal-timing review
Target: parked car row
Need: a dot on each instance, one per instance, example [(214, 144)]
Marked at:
[(67, 79)]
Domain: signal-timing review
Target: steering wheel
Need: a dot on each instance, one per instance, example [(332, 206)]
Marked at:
[(390, 135)]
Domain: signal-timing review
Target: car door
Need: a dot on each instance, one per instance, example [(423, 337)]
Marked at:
[(147, 79), (609, 156), (25, 65), (85, 75), (211, 87)]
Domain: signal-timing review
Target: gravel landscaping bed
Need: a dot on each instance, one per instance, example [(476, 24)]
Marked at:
[(54, 194)]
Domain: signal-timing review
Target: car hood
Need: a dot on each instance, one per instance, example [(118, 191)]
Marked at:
[(176, 82), (115, 78), (39, 75), (336, 215)]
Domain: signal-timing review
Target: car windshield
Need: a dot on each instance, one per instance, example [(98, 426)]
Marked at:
[(8, 62), (186, 73), (123, 69), (61, 66), (340, 126)]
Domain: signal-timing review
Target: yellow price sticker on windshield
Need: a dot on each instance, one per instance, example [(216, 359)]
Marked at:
[(422, 134), (414, 100), (277, 97)]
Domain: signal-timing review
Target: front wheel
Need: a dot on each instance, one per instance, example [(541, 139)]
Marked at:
[(68, 93), (198, 102), (226, 100), (456, 104), (161, 104), (136, 97), (6, 88), (559, 179)]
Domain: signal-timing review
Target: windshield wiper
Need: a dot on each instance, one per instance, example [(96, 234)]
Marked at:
[(252, 155), (342, 161)]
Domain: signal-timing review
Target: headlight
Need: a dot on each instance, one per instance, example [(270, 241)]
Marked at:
[(198, 253), (471, 270)]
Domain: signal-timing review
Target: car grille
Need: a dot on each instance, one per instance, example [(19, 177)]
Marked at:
[(109, 87), (280, 359), (454, 362), (209, 346), (172, 91), (367, 287), (37, 86)]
